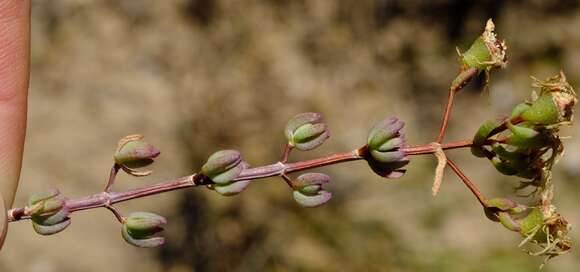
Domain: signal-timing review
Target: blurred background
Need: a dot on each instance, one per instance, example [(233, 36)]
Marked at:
[(196, 76)]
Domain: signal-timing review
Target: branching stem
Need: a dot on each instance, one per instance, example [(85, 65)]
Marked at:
[(105, 199)]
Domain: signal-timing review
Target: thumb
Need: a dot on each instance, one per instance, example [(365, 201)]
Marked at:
[(14, 68)]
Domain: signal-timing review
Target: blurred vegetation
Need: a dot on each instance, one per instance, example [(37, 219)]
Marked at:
[(196, 76)]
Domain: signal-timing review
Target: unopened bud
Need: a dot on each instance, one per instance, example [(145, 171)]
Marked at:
[(48, 212), (384, 153), (223, 166), (306, 131), (308, 191), (139, 228), (133, 153)]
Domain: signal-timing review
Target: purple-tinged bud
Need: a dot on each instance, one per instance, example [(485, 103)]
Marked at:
[(306, 131), (48, 212), (133, 153), (308, 191), (139, 228), (223, 166), (384, 153)]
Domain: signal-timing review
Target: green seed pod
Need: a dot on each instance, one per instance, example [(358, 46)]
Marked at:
[(534, 222), (543, 111), (223, 166), (524, 136), (481, 137), (503, 167), (555, 103), (509, 222), (519, 109), (139, 228), (486, 52)]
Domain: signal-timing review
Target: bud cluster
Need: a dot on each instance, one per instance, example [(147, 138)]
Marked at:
[(527, 143), (548, 231)]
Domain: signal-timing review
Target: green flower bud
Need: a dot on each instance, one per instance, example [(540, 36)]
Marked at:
[(306, 131), (308, 191), (223, 166), (555, 103), (139, 228), (134, 153), (486, 52)]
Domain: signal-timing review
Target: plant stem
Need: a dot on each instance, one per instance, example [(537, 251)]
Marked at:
[(472, 187), (106, 198), (463, 78)]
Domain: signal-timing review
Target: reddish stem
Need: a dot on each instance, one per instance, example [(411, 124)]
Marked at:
[(472, 187), (463, 78), (278, 169)]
